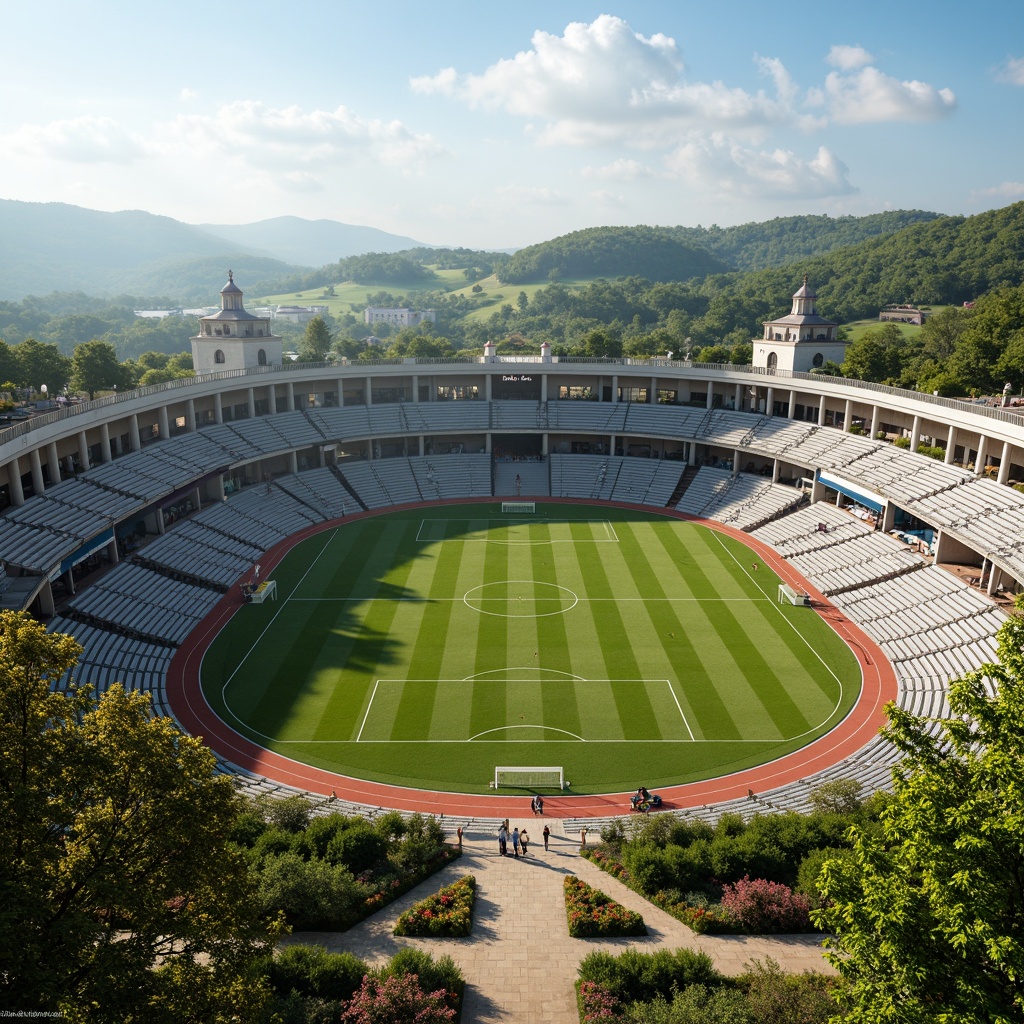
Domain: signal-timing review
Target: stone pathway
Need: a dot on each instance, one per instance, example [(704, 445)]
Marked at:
[(520, 963)]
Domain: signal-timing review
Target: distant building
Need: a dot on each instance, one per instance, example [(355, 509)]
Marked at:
[(233, 339), (801, 341), (398, 317), (298, 314), (904, 315)]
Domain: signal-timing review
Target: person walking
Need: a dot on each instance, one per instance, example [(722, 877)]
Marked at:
[(547, 836), (524, 841), (502, 841), (515, 841)]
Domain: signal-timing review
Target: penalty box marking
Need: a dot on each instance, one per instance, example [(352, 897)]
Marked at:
[(423, 533), (533, 679)]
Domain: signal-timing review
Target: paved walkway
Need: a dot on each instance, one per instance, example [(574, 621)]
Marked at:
[(520, 963)]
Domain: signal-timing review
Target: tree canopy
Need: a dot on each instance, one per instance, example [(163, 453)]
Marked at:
[(121, 898), (928, 915)]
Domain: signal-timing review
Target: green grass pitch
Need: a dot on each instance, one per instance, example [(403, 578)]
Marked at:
[(424, 647)]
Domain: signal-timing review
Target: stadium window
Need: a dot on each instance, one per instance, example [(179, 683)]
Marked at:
[(819, 359), (261, 357), (218, 356)]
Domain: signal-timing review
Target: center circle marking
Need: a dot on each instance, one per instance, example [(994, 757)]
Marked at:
[(521, 599)]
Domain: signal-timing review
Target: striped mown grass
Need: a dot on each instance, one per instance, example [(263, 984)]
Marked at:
[(423, 647)]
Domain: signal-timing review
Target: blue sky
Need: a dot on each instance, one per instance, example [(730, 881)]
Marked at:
[(494, 126)]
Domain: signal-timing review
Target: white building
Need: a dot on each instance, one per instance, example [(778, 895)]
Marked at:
[(232, 339), (801, 341), (398, 317)]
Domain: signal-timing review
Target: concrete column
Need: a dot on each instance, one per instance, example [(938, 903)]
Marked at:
[(615, 387), (711, 394), (415, 387), (53, 461), (792, 405), (1004, 464), (488, 443), (190, 414), (83, 450), (271, 400), (611, 444), (251, 402), (691, 455), (848, 416), (218, 409), (769, 402), (915, 434), (488, 387), (69, 581), (219, 487), (105, 451), (821, 412), (737, 397), (112, 553), (423, 444), (290, 397), (544, 387), (652, 395), (293, 462), (368, 392), (874, 421), (165, 423), (979, 462), (14, 482), (544, 441), (736, 454), (47, 606), (133, 432), (888, 516), (817, 490), (37, 471), (340, 384), (950, 446), (776, 465)]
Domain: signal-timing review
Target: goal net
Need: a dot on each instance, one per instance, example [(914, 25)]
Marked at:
[(522, 507), (529, 778)]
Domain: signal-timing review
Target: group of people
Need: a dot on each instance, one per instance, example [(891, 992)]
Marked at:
[(519, 838), (643, 801)]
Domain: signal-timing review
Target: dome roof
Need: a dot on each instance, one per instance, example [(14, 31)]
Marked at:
[(231, 287)]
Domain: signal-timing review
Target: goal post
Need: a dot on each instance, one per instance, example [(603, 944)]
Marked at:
[(519, 777), (522, 507)]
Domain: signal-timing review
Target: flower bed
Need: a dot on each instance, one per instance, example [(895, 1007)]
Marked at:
[(449, 912), (593, 914), (390, 887)]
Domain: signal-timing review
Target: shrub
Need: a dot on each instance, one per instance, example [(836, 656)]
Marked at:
[(398, 999), (448, 912), (810, 868), (312, 971), (290, 814), (694, 1005), (839, 796), (761, 907), (902, 442), (636, 976), (591, 913), (774, 997), (597, 1004), (314, 895)]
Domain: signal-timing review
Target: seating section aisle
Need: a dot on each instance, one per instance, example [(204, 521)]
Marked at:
[(452, 476), (745, 501)]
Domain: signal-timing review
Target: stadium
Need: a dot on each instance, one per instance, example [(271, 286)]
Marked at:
[(379, 583)]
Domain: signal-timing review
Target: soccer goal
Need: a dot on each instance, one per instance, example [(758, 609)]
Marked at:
[(522, 507), (529, 778)]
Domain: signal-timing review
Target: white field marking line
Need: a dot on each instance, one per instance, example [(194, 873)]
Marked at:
[(582, 600), (506, 728), (668, 682), (362, 724), (807, 643), (611, 536), (522, 668), (238, 668)]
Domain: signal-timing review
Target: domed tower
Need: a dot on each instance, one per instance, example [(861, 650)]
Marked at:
[(801, 341), (233, 339)]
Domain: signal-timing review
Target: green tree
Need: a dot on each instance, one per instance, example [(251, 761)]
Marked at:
[(114, 853), (928, 919), (878, 355), (316, 341), (41, 363), (94, 367)]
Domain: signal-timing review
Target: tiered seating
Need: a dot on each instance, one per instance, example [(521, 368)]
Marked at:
[(853, 563), (33, 547), (142, 603), (588, 417), (109, 658), (366, 483), (396, 479), (198, 550), (750, 501), (516, 416), (799, 532), (582, 476), (320, 490), (705, 489), (646, 481), (452, 476), (729, 429)]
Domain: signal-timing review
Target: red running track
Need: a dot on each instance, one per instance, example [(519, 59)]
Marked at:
[(861, 725)]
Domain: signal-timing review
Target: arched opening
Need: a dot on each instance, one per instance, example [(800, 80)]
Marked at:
[(218, 356), (261, 357), (773, 360)]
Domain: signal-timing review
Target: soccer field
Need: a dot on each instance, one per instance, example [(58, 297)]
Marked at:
[(425, 647)]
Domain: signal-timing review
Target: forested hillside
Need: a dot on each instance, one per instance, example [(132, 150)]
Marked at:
[(654, 253)]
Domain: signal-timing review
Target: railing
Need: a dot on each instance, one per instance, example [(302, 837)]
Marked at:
[(728, 369)]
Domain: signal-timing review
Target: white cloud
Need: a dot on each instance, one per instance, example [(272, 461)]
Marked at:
[(618, 170), (1005, 190), (718, 164), (602, 197), (187, 94), (86, 140), (292, 139), (849, 58), (870, 96), (531, 195), (1012, 71)]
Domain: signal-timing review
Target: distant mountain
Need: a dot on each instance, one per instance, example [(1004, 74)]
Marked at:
[(310, 243), (47, 247)]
